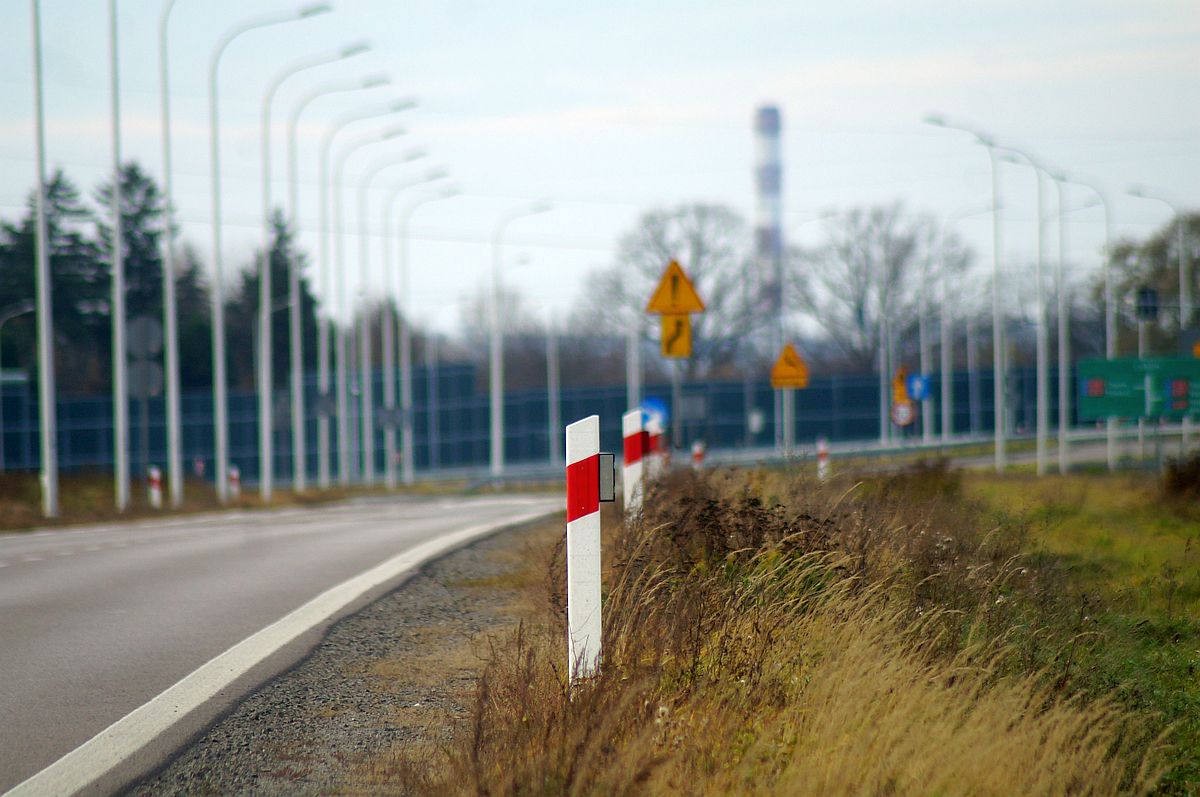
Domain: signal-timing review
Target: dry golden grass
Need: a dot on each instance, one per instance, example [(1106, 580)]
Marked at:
[(767, 636)]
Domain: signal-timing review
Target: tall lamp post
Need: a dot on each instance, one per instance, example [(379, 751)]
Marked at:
[(295, 339), (170, 313), (998, 370), (266, 426), (47, 415), (403, 325), (220, 408), (496, 371), (324, 326), (366, 394), (120, 384), (1042, 333), (341, 353), (1185, 275), (1110, 306), (946, 365)]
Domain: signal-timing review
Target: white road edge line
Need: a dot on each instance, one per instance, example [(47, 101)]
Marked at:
[(99, 755)]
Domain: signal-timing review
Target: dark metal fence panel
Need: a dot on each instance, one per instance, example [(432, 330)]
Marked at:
[(838, 407)]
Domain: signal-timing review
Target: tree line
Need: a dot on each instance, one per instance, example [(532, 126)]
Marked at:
[(80, 245), (870, 263)]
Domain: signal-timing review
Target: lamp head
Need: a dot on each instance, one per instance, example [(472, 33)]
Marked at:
[(935, 119), (313, 10), (413, 155), (392, 132), (541, 206), (373, 81), (403, 105), (435, 174), (1136, 190), (357, 48)]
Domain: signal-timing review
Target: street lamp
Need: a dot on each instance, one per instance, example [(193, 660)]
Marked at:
[(403, 326), (366, 394), (341, 353), (1042, 337), (170, 313), (326, 270), (266, 427), (120, 384), (998, 373), (220, 418), (1110, 307), (496, 372), (945, 359), (1185, 277), (47, 416), (295, 340)]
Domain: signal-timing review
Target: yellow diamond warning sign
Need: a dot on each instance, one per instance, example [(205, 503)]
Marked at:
[(790, 370), (677, 336), (675, 294)]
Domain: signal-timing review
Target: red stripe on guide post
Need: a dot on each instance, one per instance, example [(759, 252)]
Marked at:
[(633, 448), (583, 488)]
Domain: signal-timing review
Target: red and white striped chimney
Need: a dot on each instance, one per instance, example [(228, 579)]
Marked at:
[(583, 546)]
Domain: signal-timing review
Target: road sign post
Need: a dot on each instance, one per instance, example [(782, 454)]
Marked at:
[(675, 299), (790, 373)]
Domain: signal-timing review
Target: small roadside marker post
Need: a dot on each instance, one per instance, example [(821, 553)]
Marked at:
[(698, 455), (631, 470), (591, 478), (154, 486), (235, 482), (822, 459), (654, 464)]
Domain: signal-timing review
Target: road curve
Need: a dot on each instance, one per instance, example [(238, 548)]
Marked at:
[(96, 621)]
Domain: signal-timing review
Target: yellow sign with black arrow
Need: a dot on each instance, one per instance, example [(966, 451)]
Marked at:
[(790, 370), (673, 299), (677, 336)]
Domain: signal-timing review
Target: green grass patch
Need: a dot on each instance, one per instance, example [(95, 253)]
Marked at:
[(1131, 555)]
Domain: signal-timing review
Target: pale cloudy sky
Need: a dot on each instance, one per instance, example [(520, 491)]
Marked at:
[(612, 108)]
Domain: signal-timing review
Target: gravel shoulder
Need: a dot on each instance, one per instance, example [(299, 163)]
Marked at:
[(400, 674)]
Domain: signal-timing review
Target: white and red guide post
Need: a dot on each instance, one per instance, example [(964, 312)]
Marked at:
[(636, 445), (583, 546), (653, 453), (822, 459)]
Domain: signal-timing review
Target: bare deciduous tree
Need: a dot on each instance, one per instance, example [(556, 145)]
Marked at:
[(713, 244), (873, 264)]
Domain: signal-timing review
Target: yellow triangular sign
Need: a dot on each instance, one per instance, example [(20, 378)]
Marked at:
[(790, 370), (675, 294)]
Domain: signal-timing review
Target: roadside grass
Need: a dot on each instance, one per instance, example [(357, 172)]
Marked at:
[(1130, 554), (87, 497), (764, 634)]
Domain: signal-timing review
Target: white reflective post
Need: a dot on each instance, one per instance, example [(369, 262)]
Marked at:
[(583, 547)]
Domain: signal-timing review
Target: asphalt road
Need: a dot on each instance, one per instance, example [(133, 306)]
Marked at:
[(95, 621)]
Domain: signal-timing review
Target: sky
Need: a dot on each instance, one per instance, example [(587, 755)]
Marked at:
[(610, 109)]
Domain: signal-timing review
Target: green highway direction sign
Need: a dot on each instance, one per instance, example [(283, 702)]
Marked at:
[(1127, 387)]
